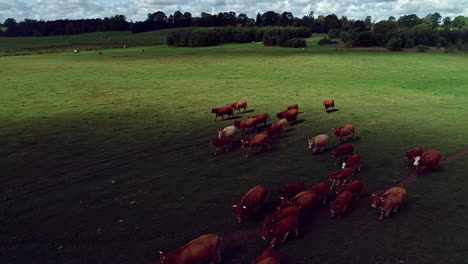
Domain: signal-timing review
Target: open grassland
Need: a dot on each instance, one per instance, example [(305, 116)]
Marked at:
[(73, 123)]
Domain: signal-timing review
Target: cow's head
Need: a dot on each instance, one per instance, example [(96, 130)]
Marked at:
[(244, 143), (408, 156), (240, 212), (162, 257), (266, 232), (335, 131), (268, 221), (343, 165), (340, 189), (416, 160), (236, 123), (332, 175), (334, 208), (284, 203), (220, 133), (377, 200), (311, 142), (281, 188), (213, 110)]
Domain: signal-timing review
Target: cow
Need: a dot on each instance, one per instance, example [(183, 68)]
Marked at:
[(340, 152), (340, 177), (269, 254), (230, 131), (339, 206), (321, 191), (198, 251), (282, 122), (304, 200), (280, 115), (344, 131), (240, 104), (355, 187), (98, 53), (389, 201), (252, 200), (294, 106), (273, 130), (352, 162), (290, 190), (318, 142), (246, 123), (142, 50), (76, 51), (225, 110), (281, 214), (280, 231), (428, 160), (220, 143), (260, 140), (262, 118), (327, 104), (412, 154), (291, 115)]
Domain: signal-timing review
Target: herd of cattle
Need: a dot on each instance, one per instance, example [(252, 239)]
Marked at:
[(295, 199)]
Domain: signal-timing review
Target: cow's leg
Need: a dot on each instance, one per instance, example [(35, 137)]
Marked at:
[(396, 208), (359, 168), (297, 232), (359, 195), (325, 199), (285, 236), (273, 242), (333, 183), (381, 214)]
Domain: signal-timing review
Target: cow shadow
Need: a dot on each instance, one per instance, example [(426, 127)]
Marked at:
[(232, 118), (331, 111), (247, 111), (347, 140), (297, 122)]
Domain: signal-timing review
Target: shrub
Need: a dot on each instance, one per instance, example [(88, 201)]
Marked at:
[(333, 33), (269, 40), (409, 43), (364, 39), (422, 48), (449, 48), (326, 41), (394, 44), (296, 43)]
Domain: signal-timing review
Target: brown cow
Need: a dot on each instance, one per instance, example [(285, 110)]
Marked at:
[(281, 214), (246, 123), (327, 104), (252, 200), (280, 115), (318, 142), (98, 53), (290, 190), (197, 251), (304, 200), (269, 254), (389, 201), (428, 160), (225, 110), (273, 130), (412, 154), (344, 131), (281, 230), (353, 162), (294, 106), (240, 104), (339, 206), (262, 118), (282, 122), (354, 187), (340, 177), (260, 140), (321, 190), (291, 115), (221, 142), (340, 152)]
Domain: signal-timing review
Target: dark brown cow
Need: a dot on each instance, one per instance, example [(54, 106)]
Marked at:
[(355, 187), (197, 251), (269, 254), (251, 201), (343, 131), (412, 154), (281, 114), (240, 104), (427, 161), (321, 190), (225, 110), (262, 118), (304, 200), (290, 190), (246, 123), (291, 115), (280, 231), (340, 177), (339, 206), (273, 130), (327, 104), (294, 106), (220, 143), (353, 162), (259, 141), (98, 53), (340, 152), (281, 214)]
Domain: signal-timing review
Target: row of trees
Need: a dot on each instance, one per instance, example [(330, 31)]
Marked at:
[(159, 20)]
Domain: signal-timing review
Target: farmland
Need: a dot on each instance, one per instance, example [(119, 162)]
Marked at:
[(106, 159)]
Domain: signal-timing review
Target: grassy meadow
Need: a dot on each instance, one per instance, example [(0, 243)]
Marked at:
[(106, 159)]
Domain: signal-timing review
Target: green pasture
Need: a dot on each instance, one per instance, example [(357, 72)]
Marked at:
[(106, 159)]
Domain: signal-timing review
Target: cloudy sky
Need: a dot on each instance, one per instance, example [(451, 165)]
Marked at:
[(138, 9)]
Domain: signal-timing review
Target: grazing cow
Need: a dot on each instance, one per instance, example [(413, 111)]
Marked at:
[(294, 106), (142, 50), (354, 187), (304, 200), (252, 200), (281, 230), (290, 190), (225, 110), (280, 115), (98, 53), (340, 177), (291, 115), (412, 154), (339, 206), (262, 118), (269, 254), (281, 214), (76, 51), (240, 104), (321, 191), (260, 140), (340, 152), (282, 122), (220, 143), (246, 123), (389, 201), (197, 251), (327, 104), (273, 130), (428, 160), (318, 142), (344, 131), (230, 131), (353, 162)]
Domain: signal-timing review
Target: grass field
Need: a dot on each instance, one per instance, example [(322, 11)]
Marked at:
[(71, 124)]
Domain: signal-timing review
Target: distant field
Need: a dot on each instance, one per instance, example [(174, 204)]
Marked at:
[(71, 124)]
